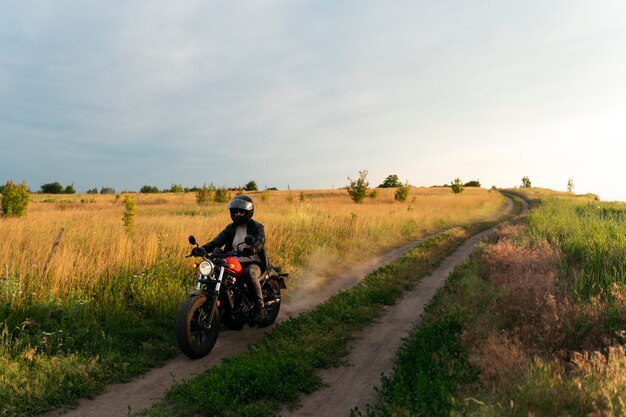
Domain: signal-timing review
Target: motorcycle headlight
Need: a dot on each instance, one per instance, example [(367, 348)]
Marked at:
[(206, 268)]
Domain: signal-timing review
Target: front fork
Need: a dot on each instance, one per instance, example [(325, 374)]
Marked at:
[(215, 291)]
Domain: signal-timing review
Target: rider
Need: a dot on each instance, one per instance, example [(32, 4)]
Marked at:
[(253, 259)]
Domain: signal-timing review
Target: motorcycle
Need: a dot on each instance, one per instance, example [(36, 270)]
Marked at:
[(221, 299)]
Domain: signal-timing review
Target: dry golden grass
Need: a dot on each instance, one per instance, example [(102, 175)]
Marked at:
[(301, 226)]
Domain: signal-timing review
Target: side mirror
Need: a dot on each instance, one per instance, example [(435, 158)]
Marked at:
[(192, 240), (250, 240)]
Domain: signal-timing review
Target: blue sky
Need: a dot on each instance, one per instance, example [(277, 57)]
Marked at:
[(306, 93)]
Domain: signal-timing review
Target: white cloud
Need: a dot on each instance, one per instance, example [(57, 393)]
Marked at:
[(315, 91)]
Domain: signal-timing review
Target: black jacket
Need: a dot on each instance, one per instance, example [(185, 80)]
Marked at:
[(226, 236)]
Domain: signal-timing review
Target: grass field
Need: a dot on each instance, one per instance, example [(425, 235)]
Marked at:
[(104, 310), (533, 325)]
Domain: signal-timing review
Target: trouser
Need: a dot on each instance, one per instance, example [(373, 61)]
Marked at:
[(251, 275)]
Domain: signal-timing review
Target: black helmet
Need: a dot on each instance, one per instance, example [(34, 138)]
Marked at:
[(241, 203)]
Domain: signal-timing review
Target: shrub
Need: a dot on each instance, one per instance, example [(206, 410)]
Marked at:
[(526, 182), (358, 188), (52, 188), (457, 186), (176, 188), (149, 189), (203, 195), (15, 199), (402, 193), (222, 195), (129, 214), (69, 189), (473, 183)]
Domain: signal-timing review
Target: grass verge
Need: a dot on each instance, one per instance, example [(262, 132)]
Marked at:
[(532, 325)]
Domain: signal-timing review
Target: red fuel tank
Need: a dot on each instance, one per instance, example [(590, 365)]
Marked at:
[(234, 266)]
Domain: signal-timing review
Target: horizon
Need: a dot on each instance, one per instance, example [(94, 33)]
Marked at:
[(304, 95)]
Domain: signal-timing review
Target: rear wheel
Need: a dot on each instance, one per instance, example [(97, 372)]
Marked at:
[(196, 333), (271, 299)]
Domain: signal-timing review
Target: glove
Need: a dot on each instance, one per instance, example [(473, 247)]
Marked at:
[(248, 251), (198, 251)]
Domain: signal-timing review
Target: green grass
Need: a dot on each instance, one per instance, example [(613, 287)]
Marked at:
[(432, 364), (592, 237), (54, 351), (57, 349), (283, 365), (570, 360)]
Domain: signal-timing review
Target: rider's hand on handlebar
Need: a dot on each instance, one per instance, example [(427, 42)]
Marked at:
[(198, 251)]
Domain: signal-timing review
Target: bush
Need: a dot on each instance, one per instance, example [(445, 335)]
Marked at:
[(176, 188), (473, 183), (222, 195), (203, 195), (457, 186), (15, 199), (526, 182), (129, 214), (402, 193), (52, 188), (69, 189), (149, 189), (358, 188)]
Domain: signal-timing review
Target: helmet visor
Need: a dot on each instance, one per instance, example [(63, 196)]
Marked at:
[(238, 203)]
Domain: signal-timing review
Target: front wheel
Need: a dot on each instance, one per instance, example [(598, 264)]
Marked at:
[(271, 299), (196, 333)]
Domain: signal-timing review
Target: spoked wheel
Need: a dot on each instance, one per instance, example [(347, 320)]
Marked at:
[(271, 299), (196, 333)]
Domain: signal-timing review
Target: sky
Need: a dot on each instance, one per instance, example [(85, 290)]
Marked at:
[(304, 94)]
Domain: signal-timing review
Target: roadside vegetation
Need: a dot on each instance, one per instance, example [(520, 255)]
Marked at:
[(532, 325), (104, 309), (261, 382)]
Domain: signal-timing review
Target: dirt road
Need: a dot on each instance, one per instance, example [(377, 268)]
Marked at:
[(145, 390), (375, 348)]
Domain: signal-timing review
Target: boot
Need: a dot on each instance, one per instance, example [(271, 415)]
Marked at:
[(259, 313)]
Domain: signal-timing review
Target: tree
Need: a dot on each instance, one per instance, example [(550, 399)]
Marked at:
[(473, 183), (15, 199), (52, 188), (93, 190), (392, 181), (107, 190), (251, 186), (526, 182), (402, 193), (570, 185), (457, 186), (69, 189), (358, 188)]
